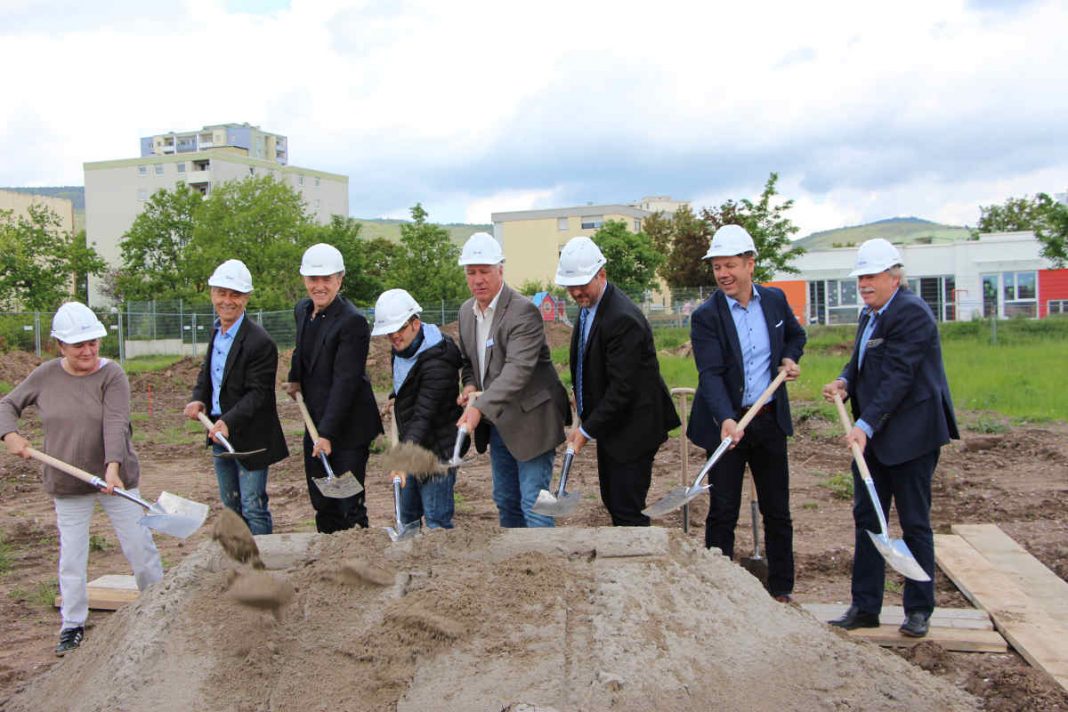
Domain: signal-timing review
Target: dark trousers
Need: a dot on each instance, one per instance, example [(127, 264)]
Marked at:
[(624, 486), (332, 515), (909, 485), (764, 449)]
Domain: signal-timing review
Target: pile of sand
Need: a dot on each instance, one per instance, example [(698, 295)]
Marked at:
[(571, 618)]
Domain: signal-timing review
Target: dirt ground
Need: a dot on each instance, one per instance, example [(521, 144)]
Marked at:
[(1017, 479)]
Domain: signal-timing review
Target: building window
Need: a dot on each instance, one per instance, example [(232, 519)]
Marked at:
[(159, 169), (561, 224), (181, 168), (842, 303), (1057, 306), (1017, 293), (202, 165), (637, 225), (142, 195), (592, 222), (142, 170)]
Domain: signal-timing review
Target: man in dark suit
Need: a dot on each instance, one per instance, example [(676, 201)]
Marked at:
[(621, 399), (237, 380), (741, 336), (329, 369), (896, 385)]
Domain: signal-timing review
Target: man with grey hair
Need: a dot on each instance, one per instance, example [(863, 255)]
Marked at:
[(896, 385)]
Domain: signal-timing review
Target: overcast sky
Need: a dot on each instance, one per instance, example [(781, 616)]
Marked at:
[(867, 111)]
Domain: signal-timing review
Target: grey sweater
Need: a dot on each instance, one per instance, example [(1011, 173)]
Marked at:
[(86, 422)]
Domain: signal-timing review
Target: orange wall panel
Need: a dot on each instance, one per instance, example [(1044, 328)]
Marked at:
[(796, 291)]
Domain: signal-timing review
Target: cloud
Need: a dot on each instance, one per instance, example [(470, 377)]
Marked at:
[(470, 107)]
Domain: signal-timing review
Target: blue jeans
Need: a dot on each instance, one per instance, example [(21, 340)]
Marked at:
[(431, 499), (244, 491), (516, 484)]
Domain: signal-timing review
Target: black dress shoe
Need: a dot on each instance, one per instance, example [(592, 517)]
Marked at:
[(854, 618), (915, 625)]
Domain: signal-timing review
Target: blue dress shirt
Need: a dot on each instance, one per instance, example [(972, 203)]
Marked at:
[(220, 350)]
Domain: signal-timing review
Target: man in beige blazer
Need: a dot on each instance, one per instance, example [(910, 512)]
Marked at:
[(523, 407)]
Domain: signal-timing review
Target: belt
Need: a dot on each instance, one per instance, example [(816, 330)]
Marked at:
[(764, 409)]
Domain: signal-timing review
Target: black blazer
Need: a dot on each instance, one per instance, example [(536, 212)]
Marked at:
[(426, 406), (336, 388), (626, 406), (721, 378), (246, 395), (901, 390)]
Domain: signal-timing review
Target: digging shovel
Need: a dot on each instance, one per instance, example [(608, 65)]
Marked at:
[(230, 453), (170, 514), (334, 486), (895, 551), (402, 531), (683, 494), (563, 503), (755, 564), (456, 460)]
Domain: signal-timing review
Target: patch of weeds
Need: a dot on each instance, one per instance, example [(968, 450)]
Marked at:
[(990, 425), (804, 412), (810, 505), (6, 555), (892, 586), (43, 594), (5, 388), (98, 542), (379, 445), (138, 417), (840, 485), (460, 503)]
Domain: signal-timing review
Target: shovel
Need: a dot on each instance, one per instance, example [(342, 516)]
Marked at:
[(230, 453), (895, 551), (755, 564), (456, 460), (402, 531), (562, 504), (335, 486), (170, 514), (683, 494)]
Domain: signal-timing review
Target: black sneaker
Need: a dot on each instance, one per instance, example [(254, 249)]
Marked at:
[(69, 639)]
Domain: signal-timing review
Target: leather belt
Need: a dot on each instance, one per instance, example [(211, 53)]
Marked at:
[(764, 409)]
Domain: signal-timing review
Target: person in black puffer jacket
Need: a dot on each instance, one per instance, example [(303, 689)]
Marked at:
[(426, 382)]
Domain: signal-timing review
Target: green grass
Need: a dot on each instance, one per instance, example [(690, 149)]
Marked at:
[(43, 594), (145, 364), (5, 388), (98, 543), (182, 434), (840, 485), (6, 555)]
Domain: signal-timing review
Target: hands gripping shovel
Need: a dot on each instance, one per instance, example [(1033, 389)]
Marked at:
[(683, 494), (170, 514), (230, 453), (335, 486), (895, 551)]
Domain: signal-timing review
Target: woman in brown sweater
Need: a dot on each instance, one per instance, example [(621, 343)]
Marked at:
[(83, 402)]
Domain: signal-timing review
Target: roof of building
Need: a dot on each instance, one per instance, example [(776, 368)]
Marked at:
[(578, 211)]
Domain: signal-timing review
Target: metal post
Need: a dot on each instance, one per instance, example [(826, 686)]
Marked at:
[(442, 322), (193, 328), (122, 340), (37, 333)]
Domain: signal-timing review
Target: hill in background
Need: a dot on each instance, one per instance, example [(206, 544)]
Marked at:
[(900, 231)]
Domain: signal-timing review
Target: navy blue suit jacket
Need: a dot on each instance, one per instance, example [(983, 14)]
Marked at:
[(901, 390), (721, 379)]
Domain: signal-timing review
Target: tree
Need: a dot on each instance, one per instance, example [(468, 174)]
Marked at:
[(632, 258), (153, 249), (685, 266), (40, 263), (427, 265), (767, 224), (1042, 215), (368, 263)]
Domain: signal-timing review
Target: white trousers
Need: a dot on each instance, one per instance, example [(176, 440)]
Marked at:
[(73, 514)]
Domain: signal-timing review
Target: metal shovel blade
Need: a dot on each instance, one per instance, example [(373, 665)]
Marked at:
[(550, 505), (228, 455), (339, 487), (673, 500), (175, 515), (456, 460), (897, 554), (403, 531)]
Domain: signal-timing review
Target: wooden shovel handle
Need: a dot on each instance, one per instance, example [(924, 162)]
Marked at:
[(68, 468), (751, 413), (847, 425), (307, 417), (205, 420)]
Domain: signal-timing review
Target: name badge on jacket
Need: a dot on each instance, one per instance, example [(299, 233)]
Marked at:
[(872, 343)]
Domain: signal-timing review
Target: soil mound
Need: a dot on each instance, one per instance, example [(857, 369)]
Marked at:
[(569, 618)]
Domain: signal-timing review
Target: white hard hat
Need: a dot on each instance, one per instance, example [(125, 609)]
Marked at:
[(481, 249), (74, 323), (875, 256), (730, 240), (580, 261), (321, 259), (393, 310), (232, 274)]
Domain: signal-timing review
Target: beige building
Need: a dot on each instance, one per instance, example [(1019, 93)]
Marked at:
[(532, 239), (19, 203), (116, 191)]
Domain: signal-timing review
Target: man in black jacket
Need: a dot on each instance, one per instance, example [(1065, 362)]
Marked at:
[(237, 380), (742, 336), (329, 369), (426, 381), (620, 396)]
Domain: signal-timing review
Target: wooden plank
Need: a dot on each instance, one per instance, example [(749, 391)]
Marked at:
[(961, 618), (1040, 638), (1042, 585), (109, 593), (956, 639)]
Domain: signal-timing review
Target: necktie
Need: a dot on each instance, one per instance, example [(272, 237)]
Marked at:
[(583, 314)]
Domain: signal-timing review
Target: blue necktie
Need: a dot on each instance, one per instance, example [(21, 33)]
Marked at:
[(583, 313)]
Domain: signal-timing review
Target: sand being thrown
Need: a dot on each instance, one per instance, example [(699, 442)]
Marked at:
[(571, 618)]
